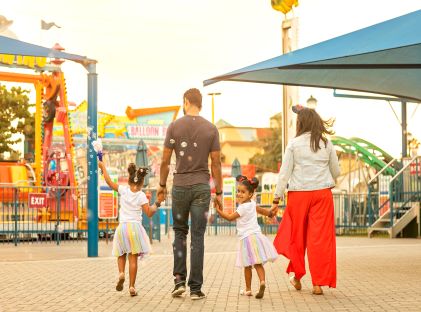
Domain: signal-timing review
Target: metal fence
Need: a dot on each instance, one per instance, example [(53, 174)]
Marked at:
[(44, 214), (63, 217), (354, 213)]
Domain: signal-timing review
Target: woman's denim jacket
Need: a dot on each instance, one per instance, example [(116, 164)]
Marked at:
[(304, 170)]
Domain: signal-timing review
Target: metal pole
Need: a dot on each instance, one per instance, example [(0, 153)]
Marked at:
[(106, 231), (92, 163), (213, 104), (404, 131), (15, 239)]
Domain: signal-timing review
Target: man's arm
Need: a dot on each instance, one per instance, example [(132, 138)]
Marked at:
[(164, 171), (216, 170), (217, 176)]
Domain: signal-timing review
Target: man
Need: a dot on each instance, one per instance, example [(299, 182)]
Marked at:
[(193, 139)]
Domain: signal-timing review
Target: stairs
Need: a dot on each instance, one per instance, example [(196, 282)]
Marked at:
[(403, 215)]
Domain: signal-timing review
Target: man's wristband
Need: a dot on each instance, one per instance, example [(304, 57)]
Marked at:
[(218, 193), (157, 204), (162, 185)]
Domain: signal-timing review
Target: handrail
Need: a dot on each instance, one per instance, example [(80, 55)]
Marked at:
[(17, 182), (406, 166), (383, 169)]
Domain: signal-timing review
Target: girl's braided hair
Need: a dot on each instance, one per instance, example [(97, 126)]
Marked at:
[(136, 175), (251, 184)]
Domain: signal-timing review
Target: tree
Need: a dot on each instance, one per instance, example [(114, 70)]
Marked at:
[(15, 117), (272, 146)]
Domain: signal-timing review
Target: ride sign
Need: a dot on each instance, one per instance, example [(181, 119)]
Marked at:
[(37, 200)]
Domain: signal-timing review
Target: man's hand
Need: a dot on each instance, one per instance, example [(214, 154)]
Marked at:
[(160, 197), (218, 206), (217, 202), (162, 193)]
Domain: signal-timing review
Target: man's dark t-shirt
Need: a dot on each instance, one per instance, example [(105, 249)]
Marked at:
[(192, 138)]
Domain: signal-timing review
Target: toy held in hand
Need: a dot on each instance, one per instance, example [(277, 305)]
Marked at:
[(97, 144)]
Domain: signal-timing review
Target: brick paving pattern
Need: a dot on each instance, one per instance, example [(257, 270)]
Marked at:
[(373, 275)]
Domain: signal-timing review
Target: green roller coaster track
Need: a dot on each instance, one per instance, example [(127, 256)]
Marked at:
[(369, 153)]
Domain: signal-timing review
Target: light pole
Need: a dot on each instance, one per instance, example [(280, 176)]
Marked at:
[(289, 30), (312, 102), (213, 104)]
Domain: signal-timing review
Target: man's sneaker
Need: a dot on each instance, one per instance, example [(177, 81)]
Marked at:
[(179, 289), (197, 295)]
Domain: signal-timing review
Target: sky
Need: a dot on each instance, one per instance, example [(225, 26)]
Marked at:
[(150, 52)]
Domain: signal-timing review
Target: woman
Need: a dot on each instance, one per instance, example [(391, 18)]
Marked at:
[(309, 168)]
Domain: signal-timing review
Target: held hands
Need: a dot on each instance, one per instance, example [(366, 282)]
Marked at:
[(275, 206), (160, 197), (217, 203), (274, 210), (161, 193)]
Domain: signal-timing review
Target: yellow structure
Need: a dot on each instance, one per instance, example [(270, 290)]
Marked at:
[(240, 142)]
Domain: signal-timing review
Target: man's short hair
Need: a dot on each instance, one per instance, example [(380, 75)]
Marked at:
[(194, 97)]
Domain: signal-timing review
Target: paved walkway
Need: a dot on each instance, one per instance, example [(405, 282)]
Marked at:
[(373, 275)]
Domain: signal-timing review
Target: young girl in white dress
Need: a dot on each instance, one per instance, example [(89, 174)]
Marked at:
[(255, 249), (130, 238)]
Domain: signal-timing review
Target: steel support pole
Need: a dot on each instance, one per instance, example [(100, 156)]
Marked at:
[(404, 131), (92, 162)]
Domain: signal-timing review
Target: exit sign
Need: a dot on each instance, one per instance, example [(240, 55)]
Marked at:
[(37, 200)]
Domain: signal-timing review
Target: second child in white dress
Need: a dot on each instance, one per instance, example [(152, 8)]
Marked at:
[(254, 248)]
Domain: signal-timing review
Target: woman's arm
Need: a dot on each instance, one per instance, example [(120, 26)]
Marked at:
[(107, 178), (284, 173), (335, 171)]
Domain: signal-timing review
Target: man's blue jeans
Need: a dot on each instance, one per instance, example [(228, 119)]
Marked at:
[(193, 200)]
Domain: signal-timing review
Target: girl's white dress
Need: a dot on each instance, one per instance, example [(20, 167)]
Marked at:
[(130, 235), (254, 247)]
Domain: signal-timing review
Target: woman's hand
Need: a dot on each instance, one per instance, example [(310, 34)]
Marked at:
[(274, 209)]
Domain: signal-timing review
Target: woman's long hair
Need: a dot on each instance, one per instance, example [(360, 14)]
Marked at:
[(309, 121)]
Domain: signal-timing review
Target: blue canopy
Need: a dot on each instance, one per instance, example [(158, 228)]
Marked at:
[(17, 47), (384, 58)]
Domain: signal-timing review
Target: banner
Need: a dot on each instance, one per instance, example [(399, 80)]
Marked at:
[(229, 194), (107, 199)]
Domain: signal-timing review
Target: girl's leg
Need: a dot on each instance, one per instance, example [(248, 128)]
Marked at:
[(261, 273), (121, 262), (247, 277), (132, 269)]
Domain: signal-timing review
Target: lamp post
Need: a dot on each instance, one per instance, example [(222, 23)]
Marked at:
[(213, 104), (311, 102)]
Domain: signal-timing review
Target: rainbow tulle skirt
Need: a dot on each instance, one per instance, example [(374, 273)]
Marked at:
[(255, 249), (130, 237)]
